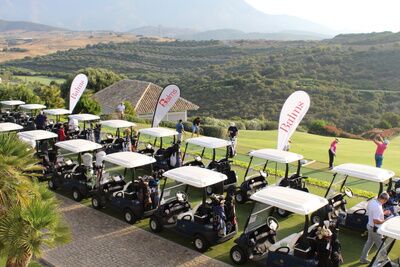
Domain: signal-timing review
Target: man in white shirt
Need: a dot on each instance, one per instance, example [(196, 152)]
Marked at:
[(376, 216), (121, 110)]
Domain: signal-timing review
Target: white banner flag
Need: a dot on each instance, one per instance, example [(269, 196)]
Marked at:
[(78, 85), (293, 111), (166, 101)]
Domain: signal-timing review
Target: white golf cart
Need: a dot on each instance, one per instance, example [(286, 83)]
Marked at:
[(255, 182), (162, 155), (258, 240), (355, 217), (74, 168), (57, 113), (202, 223), (134, 198), (8, 111), (391, 236), (222, 165), (116, 143), (27, 117), (44, 143), (87, 120), (7, 127)]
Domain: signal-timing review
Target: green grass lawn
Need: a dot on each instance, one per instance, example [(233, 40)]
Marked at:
[(41, 79)]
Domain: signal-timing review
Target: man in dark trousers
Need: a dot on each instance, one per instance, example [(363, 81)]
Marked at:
[(41, 121), (332, 152)]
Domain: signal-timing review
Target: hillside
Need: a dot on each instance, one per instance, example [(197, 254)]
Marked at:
[(25, 26), (122, 16), (350, 86)]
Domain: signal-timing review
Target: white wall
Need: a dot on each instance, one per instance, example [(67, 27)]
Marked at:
[(171, 116)]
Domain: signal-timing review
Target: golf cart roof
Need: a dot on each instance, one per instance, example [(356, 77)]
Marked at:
[(32, 106), (276, 155), (158, 132), (78, 145), (37, 135), (84, 117), (195, 176), (208, 142), (364, 172), (118, 124), (391, 228), (9, 126), (129, 159), (12, 102), (289, 199), (57, 111)]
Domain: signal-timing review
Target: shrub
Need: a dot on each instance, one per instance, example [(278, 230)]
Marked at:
[(168, 124), (214, 131), (269, 125), (317, 127), (241, 125), (253, 125)]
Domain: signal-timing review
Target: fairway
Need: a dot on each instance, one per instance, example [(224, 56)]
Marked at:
[(40, 79)]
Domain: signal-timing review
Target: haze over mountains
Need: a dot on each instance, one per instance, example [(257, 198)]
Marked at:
[(124, 15)]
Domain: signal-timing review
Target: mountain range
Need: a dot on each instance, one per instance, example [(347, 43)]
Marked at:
[(125, 15)]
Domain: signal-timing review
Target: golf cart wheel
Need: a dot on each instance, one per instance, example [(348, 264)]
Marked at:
[(51, 184), (96, 203), (129, 216), (76, 195), (238, 256), (240, 197), (282, 213), (200, 243), (155, 225)]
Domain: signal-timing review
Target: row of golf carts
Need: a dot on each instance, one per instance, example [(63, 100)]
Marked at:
[(136, 186)]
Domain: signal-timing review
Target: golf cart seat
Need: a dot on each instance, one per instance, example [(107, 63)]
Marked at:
[(359, 207), (289, 241), (257, 183)]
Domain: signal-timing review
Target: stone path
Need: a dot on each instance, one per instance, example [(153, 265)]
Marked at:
[(101, 240)]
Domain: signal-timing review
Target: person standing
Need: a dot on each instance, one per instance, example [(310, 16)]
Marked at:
[(332, 152), (61, 133), (376, 216), (181, 130), (381, 146), (232, 134), (196, 126), (121, 110), (41, 121)]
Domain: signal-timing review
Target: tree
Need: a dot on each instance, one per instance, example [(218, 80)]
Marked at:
[(87, 104), (25, 230), (51, 96)]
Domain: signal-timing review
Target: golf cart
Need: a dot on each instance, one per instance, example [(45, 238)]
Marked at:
[(58, 112), (7, 127), (258, 240), (258, 181), (116, 144), (223, 165), (27, 117), (87, 131), (202, 223), (166, 157), (355, 217), (391, 235), (77, 177), (10, 114), (135, 199), (44, 143)]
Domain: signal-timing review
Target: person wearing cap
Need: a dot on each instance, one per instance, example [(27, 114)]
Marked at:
[(332, 152), (381, 146), (232, 134), (376, 216), (121, 110)]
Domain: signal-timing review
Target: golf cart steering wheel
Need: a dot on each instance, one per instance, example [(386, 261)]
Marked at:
[(348, 192), (360, 211), (283, 250), (181, 196), (187, 217), (272, 223)]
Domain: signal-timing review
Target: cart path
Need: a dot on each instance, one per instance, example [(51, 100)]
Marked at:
[(101, 240)]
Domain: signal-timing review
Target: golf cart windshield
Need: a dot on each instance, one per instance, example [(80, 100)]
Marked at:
[(258, 216), (336, 186), (169, 192)]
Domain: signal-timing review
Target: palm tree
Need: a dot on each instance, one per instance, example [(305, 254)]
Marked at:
[(29, 215), (25, 230)]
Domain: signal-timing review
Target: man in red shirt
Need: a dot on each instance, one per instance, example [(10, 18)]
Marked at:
[(332, 152), (381, 146)]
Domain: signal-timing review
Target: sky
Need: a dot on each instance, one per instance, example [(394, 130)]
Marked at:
[(339, 15)]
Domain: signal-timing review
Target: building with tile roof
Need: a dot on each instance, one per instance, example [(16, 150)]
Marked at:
[(143, 96)]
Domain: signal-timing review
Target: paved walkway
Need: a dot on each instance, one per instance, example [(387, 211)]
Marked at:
[(101, 240)]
